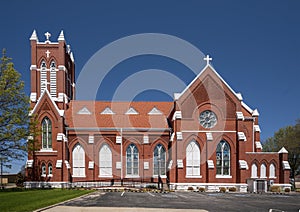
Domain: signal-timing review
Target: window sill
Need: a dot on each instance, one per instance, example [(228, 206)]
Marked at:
[(43, 175), (272, 177), (193, 176), (78, 176), (223, 176), (47, 150), (161, 176), (49, 175), (263, 177), (132, 176), (105, 176)]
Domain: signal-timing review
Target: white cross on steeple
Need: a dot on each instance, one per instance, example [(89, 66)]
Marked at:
[(207, 59), (47, 53), (48, 35)]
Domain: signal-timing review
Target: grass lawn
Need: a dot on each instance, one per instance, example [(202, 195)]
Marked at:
[(29, 200)]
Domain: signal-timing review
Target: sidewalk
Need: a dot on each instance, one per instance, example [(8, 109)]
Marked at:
[(111, 209)]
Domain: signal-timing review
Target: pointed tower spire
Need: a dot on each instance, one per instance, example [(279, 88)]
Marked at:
[(61, 36), (34, 36)]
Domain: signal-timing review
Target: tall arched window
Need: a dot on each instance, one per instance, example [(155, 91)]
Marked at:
[(159, 160), (46, 133), (43, 73), (105, 161), (192, 159), (272, 171), (50, 169), (43, 170), (263, 171), (223, 158), (132, 160), (253, 171), (78, 156), (53, 79)]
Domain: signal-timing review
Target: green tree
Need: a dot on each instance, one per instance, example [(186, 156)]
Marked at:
[(288, 137), (14, 108), (33, 144)]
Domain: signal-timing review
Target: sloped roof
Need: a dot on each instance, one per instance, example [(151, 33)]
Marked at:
[(96, 119)]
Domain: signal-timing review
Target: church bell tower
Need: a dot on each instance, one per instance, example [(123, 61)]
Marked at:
[(52, 69)]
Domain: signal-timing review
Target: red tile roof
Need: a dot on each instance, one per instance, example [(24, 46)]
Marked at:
[(119, 119)]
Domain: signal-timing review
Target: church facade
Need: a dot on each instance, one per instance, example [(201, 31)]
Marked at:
[(207, 137)]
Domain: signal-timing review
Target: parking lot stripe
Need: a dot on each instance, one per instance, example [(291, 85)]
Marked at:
[(182, 196), (122, 193), (151, 194)]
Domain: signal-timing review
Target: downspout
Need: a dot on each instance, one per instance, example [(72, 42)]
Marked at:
[(121, 153)]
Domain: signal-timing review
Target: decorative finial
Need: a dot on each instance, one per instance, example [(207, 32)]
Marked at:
[(207, 59), (34, 36), (48, 35), (61, 36)]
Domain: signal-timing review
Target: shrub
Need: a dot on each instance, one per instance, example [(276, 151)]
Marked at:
[(190, 188), (275, 188), (222, 189), (151, 187), (233, 189), (287, 190), (201, 189)]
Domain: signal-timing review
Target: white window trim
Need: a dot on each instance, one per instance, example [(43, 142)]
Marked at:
[(161, 176), (223, 176), (76, 176), (132, 176), (193, 176), (105, 176), (50, 175)]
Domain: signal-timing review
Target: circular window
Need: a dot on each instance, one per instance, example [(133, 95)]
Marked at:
[(208, 119)]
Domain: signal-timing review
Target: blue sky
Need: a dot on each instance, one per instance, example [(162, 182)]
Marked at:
[(254, 44)]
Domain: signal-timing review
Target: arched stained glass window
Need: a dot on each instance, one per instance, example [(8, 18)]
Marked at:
[(192, 159), (105, 161), (132, 160), (263, 171), (50, 169), (78, 156), (46, 133), (223, 158), (272, 171), (159, 160), (43, 170), (253, 171)]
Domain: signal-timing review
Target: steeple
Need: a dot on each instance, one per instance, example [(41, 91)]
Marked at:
[(61, 36), (34, 36)]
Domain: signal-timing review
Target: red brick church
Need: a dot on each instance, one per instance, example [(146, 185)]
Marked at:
[(207, 137)]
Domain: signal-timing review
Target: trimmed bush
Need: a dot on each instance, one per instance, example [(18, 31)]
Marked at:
[(287, 190), (275, 188), (190, 188), (202, 189), (232, 189), (222, 189)]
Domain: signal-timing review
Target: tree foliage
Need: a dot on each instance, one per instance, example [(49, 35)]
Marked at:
[(14, 108), (288, 137)]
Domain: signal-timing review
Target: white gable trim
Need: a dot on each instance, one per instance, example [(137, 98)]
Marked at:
[(107, 111), (247, 107), (155, 111), (84, 111), (238, 95), (131, 111), (46, 92)]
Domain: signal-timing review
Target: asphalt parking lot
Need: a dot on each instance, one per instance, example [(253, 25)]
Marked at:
[(190, 200)]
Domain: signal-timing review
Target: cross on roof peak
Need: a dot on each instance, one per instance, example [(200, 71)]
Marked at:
[(48, 35), (207, 59)]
